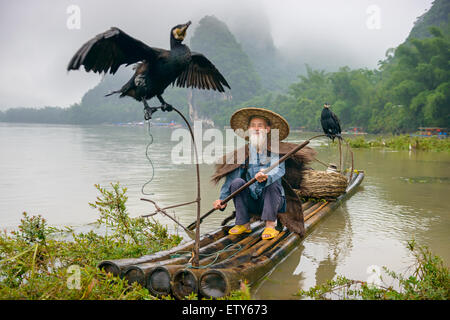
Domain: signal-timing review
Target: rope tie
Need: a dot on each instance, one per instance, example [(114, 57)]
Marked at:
[(228, 248)]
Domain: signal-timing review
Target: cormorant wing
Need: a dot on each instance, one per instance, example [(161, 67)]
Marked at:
[(202, 74), (336, 120), (107, 51), (323, 122)]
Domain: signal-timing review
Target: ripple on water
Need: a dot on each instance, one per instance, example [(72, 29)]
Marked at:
[(374, 213)]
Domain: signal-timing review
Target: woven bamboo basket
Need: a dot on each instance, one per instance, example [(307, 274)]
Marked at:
[(322, 184)]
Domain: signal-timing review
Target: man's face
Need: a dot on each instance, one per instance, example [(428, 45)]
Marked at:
[(258, 126), (258, 130)]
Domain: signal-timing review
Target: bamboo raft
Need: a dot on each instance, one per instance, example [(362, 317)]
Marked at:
[(225, 260)]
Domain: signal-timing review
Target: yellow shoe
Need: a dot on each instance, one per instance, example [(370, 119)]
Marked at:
[(269, 233), (239, 229)]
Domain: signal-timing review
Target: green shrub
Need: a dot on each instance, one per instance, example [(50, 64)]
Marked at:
[(34, 264)]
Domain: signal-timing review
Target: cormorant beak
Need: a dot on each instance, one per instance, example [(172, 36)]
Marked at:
[(180, 33), (184, 28)]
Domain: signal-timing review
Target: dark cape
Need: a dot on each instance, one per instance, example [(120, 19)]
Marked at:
[(292, 218)]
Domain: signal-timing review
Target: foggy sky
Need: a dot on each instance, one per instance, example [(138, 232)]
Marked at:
[(37, 44)]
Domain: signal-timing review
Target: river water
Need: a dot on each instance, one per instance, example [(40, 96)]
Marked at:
[(51, 170)]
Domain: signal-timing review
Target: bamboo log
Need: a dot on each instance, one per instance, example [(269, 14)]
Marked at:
[(159, 278), (269, 244), (246, 256), (140, 272), (311, 209), (118, 267), (309, 215), (217, 283), (185, 281), (307, 205), (240, 246)]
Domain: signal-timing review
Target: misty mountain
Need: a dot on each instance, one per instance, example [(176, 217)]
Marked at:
[(273, 68), (437, 16), (213, 38)]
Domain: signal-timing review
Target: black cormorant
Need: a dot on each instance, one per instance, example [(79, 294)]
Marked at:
[(330, 123), (156, 68)]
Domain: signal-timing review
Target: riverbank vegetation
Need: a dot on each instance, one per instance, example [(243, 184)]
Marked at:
[(402, 142), (38, 261), (429, 280)]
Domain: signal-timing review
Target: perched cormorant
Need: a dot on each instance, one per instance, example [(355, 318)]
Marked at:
[(156, 68), (330, 123)]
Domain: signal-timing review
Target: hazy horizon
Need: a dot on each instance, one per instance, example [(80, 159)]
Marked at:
[(323, 34)]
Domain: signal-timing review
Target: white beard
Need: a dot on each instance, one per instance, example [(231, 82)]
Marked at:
[(259, 141)]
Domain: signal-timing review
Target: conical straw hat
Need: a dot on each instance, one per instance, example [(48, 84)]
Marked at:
[(241, 118)]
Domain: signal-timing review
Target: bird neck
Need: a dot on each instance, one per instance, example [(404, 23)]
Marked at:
[(176, 44)]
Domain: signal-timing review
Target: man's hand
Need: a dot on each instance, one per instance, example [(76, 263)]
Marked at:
[(261, 177), (218, 205)]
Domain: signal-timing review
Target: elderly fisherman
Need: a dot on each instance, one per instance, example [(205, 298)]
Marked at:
[(271, 197)]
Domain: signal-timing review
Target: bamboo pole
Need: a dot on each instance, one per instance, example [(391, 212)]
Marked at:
[(307, 205), (253, 180), (198, 199), (311, 209), (309, 215)]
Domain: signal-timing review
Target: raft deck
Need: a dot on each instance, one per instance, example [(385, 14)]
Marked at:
[(225, 260)]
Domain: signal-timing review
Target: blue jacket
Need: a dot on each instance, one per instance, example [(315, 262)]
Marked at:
[(256, 162)]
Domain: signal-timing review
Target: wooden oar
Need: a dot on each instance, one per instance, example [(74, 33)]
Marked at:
[(252, 181)]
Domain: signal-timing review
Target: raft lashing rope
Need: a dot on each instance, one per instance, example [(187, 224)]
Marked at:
[(232, 247)]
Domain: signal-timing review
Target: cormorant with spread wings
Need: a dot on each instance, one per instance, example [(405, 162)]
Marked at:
[(156, 68)]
